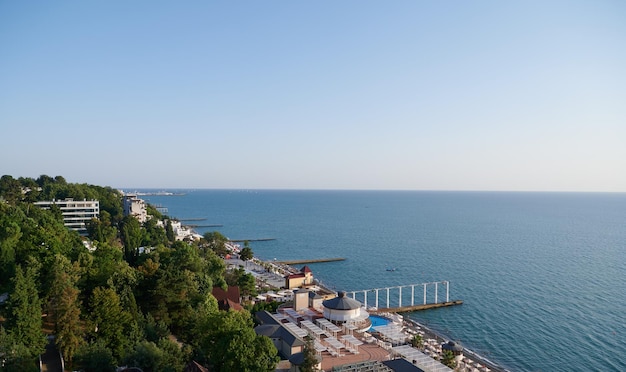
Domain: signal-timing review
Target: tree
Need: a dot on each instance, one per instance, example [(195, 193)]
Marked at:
[(229, 343), (15, 356), (64, 307), (111, 324), (95, 357), (246, 253), (164, 356), (69, 334), (247, 284), (215, 242), (132, 236), (24, 321), (417, 341), (310, 358), (447, 358), (169, 231)]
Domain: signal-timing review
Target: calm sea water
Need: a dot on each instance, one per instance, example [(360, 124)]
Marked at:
[(542, 275)]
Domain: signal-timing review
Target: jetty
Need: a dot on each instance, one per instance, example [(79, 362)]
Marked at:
[(251, 240), (194, 226), (382, 300), (315, 260), (410, 308)]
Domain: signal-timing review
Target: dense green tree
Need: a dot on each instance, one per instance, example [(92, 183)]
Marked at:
[(154, 235), (215, 242), (246, 253), (153, 330), (64, 307), (132, 236), (247, 285), (68, 328), (229, 343), (10, 189), (15, 356), (111, 323), (101, 229), (24, 321), (10, 235), (164, 356), (95, 357), (169, 231)]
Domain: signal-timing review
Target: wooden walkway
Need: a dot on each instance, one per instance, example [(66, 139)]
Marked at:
[(406, 309)]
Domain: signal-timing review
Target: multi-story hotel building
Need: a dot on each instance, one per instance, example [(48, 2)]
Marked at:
[(133, 206), (76, 214)]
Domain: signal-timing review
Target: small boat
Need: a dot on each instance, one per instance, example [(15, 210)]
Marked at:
[(391, 269)]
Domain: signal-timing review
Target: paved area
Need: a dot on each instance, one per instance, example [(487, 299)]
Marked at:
[(51, 359), (259, 272), (366, 352)]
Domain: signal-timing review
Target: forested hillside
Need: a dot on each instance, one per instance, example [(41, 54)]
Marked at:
[(138, 299)]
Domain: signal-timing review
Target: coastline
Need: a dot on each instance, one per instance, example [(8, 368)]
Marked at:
[(428, 333)]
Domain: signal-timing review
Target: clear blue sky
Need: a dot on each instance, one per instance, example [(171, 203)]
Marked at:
[(419, 95)]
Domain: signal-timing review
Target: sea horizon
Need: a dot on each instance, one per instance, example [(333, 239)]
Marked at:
[(539, 272)]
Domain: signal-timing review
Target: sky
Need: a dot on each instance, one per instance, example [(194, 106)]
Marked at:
[(399, 95)]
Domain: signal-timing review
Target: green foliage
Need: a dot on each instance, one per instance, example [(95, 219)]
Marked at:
[(64, 307), (246, 253), (271, 307), (95, 357), (310, 357), (132, 236), (24, 312), (111, 323), (216, 242), (447, 359), (229, 343), (16, 357), (164, 356), (417, 341), (154, 235), (114, 286)]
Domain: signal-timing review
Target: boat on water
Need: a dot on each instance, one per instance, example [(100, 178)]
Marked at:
[(391, 269)]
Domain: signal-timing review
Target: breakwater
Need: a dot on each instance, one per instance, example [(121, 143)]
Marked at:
[(315, 260)]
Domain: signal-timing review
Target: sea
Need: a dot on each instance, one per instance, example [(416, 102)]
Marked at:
[(542, 275)]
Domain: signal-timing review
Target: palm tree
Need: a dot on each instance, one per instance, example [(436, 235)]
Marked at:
[(417, 341), (447, 358)]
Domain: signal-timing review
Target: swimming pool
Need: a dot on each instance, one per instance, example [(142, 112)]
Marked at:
[(378, 321)]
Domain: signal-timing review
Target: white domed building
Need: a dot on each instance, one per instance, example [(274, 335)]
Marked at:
[(344, 309)]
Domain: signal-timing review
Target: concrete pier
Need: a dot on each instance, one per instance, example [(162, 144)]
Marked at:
[(406, 309), (316, 260), (394, 297)]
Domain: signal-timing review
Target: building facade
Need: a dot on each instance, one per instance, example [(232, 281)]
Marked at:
[(133, 206), (76, 214)]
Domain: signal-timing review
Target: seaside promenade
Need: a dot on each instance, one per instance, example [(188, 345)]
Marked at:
[(371, 351)]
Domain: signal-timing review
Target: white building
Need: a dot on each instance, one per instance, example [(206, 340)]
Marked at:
[(344, 309), (133, 206), (76, 214)]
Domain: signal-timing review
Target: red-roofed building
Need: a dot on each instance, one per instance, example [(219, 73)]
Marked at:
[(303, 278), (229, 299)]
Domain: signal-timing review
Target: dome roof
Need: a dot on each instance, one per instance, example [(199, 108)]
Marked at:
[(452, 346), (341, 302)]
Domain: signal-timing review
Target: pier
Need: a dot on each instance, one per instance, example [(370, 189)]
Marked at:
[(393, 302), (194, 226), (251, 240), (316, 260)]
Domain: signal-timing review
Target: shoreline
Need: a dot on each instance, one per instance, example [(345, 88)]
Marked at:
[(441, 338)]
